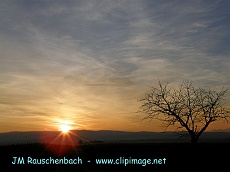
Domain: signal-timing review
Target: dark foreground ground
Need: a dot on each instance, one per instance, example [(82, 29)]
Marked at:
[(179, 157)]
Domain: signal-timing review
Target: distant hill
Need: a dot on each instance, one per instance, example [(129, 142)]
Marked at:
[(105, 136)]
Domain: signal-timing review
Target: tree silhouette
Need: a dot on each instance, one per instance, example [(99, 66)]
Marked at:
[(191, 107)]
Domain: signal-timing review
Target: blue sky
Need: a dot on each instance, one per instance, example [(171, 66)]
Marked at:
[(88, 62)]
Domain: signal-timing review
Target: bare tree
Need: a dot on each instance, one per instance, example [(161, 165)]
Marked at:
[(190, 107)]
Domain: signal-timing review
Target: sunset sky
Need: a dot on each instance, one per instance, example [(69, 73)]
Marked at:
[(85, 63)]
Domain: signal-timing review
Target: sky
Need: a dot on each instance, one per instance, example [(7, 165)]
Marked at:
[(85, 63)]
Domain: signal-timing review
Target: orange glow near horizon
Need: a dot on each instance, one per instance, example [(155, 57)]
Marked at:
[(67, 124)]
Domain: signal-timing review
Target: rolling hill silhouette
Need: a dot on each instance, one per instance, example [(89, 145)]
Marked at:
[(105, 136)]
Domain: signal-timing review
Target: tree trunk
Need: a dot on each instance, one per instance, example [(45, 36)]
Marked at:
[(194, 138)]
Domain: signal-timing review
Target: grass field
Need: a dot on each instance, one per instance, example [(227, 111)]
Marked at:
[(178, 156)]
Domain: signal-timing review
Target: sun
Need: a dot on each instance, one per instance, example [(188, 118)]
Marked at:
[(63, 125), (65, 128)]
